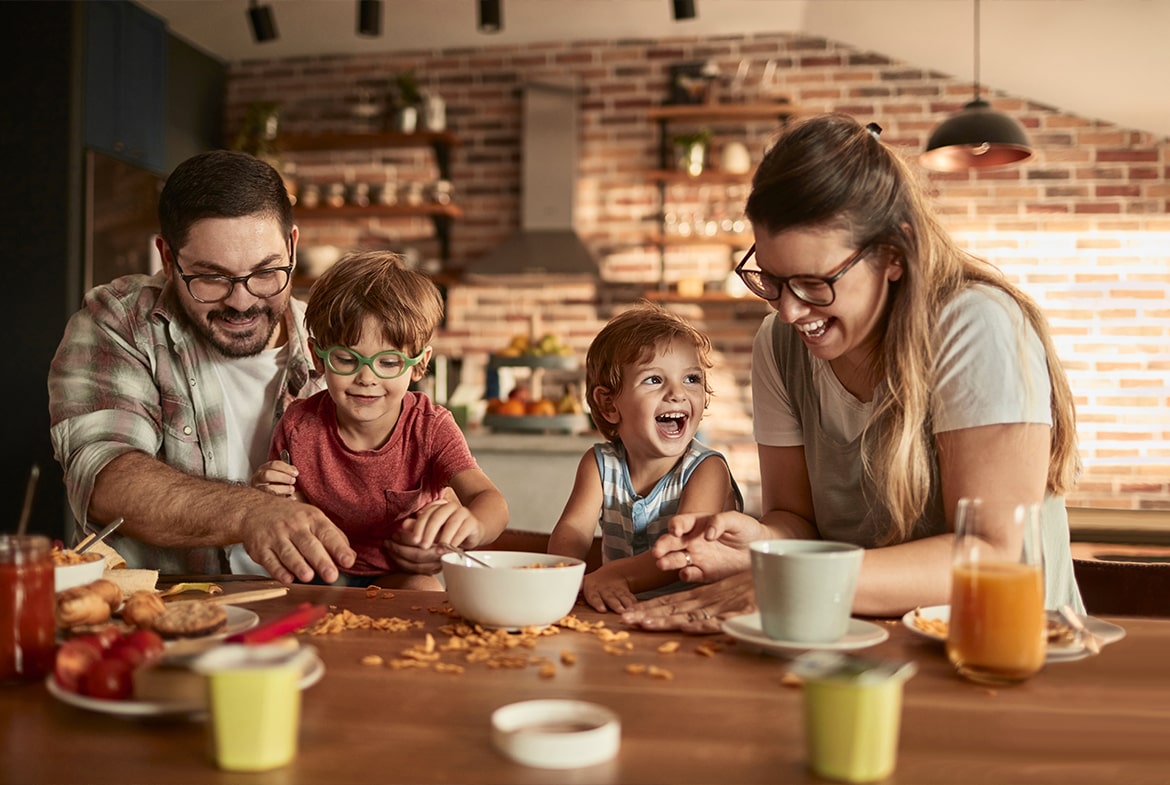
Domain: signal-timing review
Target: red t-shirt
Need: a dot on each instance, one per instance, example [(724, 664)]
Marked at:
[(368, 493)]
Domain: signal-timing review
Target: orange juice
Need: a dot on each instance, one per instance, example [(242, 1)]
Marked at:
[(997, 625)]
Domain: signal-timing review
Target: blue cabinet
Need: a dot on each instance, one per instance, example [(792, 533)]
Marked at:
[(125, 83)]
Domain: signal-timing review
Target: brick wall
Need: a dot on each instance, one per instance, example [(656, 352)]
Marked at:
[(1083, 226)]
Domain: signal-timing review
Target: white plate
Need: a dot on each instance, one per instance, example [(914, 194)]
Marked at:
[(314, 670), (1059, 652), (238, 620), (860, 634)]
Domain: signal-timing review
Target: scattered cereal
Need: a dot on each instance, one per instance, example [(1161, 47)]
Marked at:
[(790, 679), (670, 647), (568, 658), (547, 671), (372, 659), (928, 625)]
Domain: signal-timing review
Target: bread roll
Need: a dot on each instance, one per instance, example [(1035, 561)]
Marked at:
[(108, 591), (142, 608), (81, 605)]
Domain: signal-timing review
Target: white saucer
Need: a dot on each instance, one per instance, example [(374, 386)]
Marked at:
[(314, 670), (1057, 652), (860, 635)]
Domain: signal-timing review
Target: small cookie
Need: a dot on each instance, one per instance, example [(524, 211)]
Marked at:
[(190, 619)]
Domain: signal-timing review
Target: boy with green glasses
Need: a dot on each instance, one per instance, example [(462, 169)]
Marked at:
[(374, 456)]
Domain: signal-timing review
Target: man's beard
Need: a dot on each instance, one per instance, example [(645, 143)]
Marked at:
[(233, 344)]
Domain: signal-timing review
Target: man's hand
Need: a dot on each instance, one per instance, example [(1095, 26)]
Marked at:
[(290, 539)]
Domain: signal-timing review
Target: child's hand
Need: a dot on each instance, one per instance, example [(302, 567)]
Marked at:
[(415, 547), (278, 478), (605, 589), (411, 558), (443, 522)]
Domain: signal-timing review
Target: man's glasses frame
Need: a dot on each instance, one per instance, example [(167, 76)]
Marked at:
[(216, 279), (407, 362), (770, 287)]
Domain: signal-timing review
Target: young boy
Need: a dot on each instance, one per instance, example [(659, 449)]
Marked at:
[(647, 387), (373, 456)]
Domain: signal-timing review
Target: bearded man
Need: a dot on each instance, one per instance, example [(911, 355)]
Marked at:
[(164, 390)]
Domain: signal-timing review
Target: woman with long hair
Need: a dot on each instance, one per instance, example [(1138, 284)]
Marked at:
[(897, 375)]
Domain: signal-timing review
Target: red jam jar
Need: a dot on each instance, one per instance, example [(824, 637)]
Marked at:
[(27, 623)]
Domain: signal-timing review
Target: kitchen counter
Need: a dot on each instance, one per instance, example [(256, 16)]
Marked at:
[(534, 471), (481, 440)]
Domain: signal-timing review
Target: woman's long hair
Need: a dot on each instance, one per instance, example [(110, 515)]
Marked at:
[(830, 171)]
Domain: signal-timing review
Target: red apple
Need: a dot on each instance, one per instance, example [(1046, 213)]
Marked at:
[(108, 679), (74, 659)]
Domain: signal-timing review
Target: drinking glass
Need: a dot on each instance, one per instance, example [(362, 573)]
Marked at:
[(997, 631)]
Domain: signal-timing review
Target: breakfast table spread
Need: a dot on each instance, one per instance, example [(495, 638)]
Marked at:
[(409, 699)]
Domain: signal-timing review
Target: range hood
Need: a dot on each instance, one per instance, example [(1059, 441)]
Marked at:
[(546, 243)]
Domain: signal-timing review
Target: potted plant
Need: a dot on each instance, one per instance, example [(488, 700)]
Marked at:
[(691, 150), (408, 98), (258, 133)]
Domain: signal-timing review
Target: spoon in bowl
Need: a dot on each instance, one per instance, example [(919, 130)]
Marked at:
[(457, 550)]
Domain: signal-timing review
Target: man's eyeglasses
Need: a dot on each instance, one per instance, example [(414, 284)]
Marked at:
[(214, 288), (811, 289), (389, 364)]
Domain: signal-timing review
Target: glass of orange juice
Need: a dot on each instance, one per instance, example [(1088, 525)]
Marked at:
[(997, 631)]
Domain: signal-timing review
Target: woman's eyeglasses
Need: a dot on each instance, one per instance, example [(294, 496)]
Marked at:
[(389, 364), (810, 289)]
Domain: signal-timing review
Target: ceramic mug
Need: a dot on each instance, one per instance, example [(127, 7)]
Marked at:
[(804, 588)]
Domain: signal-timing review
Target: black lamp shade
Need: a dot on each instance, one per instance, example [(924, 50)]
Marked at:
[(978, 137), (262, 22), (684, 9), (369, 17), (490, 16)]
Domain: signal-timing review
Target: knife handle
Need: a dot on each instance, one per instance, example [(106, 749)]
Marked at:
[(305, 614)]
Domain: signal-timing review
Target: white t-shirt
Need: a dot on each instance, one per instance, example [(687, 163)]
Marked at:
[(990, 368), (250, 387)]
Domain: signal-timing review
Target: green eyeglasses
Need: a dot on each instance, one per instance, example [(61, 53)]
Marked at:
[(386, 365)]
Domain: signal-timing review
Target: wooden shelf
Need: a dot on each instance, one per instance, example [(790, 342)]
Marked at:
[(680, 240), (740, 112), (670, 296), (366, 141), (713, 176), (380, 211)]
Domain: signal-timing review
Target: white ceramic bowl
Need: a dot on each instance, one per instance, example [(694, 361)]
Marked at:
[(512, 593), (66, 576)]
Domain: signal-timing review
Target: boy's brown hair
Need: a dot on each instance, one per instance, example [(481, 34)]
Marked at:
[(629, 338), (407, 305)]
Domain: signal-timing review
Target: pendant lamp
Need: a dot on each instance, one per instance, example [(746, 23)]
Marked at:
[(978, 137)]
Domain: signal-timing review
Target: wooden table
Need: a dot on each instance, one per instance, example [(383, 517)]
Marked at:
[(725, 718)]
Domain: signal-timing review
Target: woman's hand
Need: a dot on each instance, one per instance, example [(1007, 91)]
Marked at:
[(698, 610), (705, 547)]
